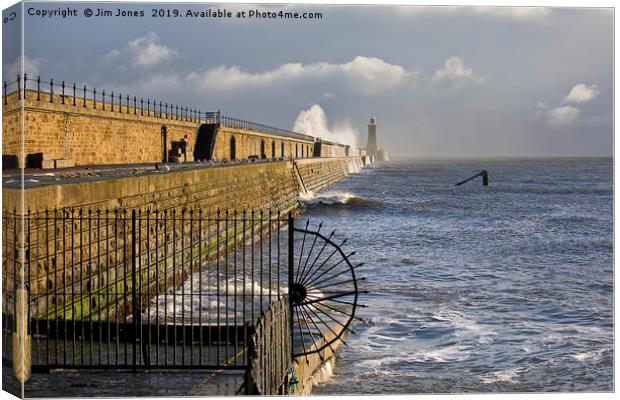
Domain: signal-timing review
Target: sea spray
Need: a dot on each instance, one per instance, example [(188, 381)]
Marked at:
[(306, 196), (313, 121), (354, 166), (181, 303), (335, 197), (324, 373)]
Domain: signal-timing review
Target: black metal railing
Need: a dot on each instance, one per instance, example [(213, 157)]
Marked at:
[(69, 93), (181, 289), (269, 363), (237, 123), (142, 289)]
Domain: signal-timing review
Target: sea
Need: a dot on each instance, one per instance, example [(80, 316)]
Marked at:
[(472, 289)]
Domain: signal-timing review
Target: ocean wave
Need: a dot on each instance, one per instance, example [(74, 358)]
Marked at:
[(336, 197), (324, 373), (505, 376), (455, 353)]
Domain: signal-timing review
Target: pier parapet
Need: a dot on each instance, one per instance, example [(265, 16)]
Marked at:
[(66, 126)]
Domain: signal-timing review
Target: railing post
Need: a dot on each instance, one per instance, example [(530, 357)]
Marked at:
[(134, 301), (291, 263), (21, 339)]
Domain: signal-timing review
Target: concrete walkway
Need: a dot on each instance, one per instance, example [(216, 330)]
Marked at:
[(42, 177)]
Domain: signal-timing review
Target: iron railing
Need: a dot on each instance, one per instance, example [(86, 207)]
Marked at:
[(81, 96), (271, 347), (142, 289), (237, 123)]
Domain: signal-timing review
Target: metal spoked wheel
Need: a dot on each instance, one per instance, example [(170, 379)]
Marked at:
[(323, 292)]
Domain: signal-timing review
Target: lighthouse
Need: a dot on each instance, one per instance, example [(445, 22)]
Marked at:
[(372, 146)]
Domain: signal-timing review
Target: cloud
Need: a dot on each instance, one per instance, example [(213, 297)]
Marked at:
[(32, 67), (457, 72), (145, 51), (522, 13), (562, 116), (581, 93), (313, 121), (516, 13), (364, 74)]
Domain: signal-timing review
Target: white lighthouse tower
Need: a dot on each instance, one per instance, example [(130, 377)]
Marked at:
[(372, 147)]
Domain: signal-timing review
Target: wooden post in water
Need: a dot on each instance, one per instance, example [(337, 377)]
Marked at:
[(21, 340)]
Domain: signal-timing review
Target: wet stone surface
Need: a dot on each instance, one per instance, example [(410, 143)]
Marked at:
[(116, 383)]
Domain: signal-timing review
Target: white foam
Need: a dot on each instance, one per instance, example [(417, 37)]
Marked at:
[(509, 375), (445, 355), (306, 196), (183, 303), (330, 197), (500, 376), (354, 166), (325, 372), (586, 356)]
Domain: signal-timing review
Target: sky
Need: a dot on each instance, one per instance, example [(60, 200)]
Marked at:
[(441, 81)]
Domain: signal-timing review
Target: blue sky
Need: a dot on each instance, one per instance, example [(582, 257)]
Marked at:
[(442, 81)]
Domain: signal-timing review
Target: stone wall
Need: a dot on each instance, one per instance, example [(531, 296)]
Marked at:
[(330, 149), (98, 133), (89, 134), (250, 143), (11, 126)]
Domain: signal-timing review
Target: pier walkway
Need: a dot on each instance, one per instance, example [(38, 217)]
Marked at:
[(34, 177), (118, 383)]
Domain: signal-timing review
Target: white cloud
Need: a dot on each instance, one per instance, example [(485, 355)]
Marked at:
[(581, 93), (456, 71), (516, 13), (562, 116), (526, 13), (313, 121), (145, 51), (364, 74), (32, 67)]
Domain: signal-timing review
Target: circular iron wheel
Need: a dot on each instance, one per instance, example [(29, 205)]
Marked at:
[(323, 292)]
